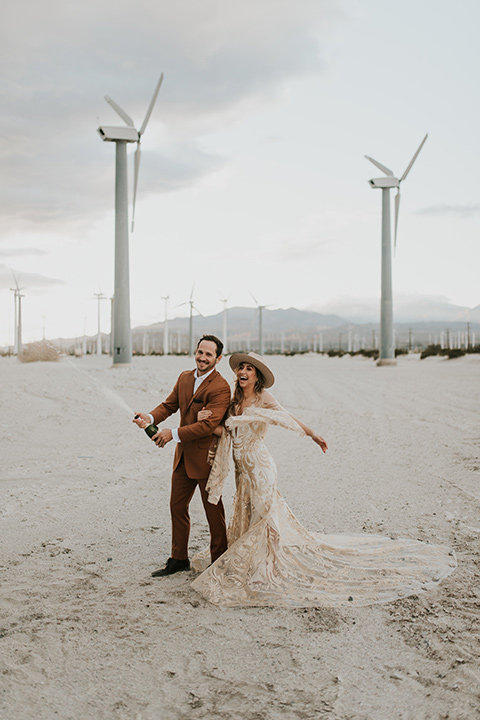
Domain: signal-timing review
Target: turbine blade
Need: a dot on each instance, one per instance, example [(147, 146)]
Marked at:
[(254, 298), (191, 294), (137, 158), (150, 107), (16, 281), (380, 166), (409, 167), (397, 210), (198, 311), (119, 110)]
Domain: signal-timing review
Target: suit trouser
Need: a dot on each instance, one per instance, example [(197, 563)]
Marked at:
[(183, 488)]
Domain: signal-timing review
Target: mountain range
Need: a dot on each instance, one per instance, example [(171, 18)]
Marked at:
[(417, 324)]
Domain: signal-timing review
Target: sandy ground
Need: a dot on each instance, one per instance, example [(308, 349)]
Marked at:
[(87, 633)]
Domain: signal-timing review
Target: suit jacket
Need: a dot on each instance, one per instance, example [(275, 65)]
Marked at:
[(195, 437)]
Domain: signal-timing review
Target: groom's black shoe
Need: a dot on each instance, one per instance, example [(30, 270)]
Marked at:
[(172, 566)]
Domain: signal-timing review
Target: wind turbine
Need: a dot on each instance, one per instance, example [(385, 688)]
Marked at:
[(261, 308), (165, 327), (15, 320), (100, 296), (224, 325), (190, 321), (17, 299), (387, 341), (122, 336)]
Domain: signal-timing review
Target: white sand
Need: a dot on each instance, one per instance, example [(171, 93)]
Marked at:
[(87, 633)]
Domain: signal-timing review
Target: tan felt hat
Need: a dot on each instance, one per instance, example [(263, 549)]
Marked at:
[(257, 361)]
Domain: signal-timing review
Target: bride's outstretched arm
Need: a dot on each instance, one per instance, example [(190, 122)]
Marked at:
[(270, 402), (311, 433)]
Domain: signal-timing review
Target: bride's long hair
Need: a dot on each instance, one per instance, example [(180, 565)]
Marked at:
[(238, 395)]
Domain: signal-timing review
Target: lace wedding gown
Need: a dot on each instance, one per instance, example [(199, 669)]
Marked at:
[(272, 560)]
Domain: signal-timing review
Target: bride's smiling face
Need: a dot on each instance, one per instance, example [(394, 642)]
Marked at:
[(246, 376)]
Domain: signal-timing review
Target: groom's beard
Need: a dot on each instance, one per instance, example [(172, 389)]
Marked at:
[(203, 366)]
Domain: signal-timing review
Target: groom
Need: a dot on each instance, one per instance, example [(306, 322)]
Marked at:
[(194, 390)]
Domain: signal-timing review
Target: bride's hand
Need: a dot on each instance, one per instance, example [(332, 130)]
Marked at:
[(320, 441), (203, 414)]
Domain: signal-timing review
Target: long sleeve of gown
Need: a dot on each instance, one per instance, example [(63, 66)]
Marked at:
[(268, 415), (220, 468)]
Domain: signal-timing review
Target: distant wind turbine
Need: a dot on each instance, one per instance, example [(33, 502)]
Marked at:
[(261, 308), (190, 320), (165, 327), (15, 321), (387, 341), (100, 296), (17, 298), (224, 325), (122, 336)]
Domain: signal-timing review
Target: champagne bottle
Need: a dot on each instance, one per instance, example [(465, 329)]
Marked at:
[(151, 430)]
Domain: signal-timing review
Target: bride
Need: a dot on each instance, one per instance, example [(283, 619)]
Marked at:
[(272, 560)]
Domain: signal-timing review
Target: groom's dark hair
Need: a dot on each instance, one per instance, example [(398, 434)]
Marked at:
[(212, 338)]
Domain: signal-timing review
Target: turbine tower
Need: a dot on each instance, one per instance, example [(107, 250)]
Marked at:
[(100, 296), (19, 325), (261, 308), (224, 326), (387, 340), (190, 323), (190, 320), (17, 298), (122, 336), (165, 327), (15, 320)]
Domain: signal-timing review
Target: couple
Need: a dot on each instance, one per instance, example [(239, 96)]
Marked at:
[(266, 557)]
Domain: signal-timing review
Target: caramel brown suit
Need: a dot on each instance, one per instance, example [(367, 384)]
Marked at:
[(190, 465)]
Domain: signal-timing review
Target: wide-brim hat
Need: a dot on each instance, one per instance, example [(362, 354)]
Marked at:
[(257, 361)]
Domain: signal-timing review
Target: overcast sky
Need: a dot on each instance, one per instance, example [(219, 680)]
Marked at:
[(253, 176)]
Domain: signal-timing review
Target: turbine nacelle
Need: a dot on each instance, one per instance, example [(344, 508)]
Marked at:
[(118, 134), (384, 182)]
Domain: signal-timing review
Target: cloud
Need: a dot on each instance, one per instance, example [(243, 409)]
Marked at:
[(298, 251), (464, 211), (27, 281), (20, 252), (221, 60)]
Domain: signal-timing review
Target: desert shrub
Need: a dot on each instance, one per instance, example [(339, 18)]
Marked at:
[(39, 352), (453, 352), (430, 350), (438, 350), (368, 353)]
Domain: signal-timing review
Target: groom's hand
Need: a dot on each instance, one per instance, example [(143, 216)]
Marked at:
[(141, 419), (162, 437)]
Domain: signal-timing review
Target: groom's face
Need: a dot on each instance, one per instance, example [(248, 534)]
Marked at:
[(206, 357)]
